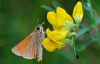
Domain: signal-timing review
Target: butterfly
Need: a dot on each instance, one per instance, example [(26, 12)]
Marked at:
[(30, 47)]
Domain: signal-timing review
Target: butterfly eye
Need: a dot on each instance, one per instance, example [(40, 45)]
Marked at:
[(38, 28)]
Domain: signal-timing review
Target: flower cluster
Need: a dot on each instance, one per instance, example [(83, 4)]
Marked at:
[(62, 24)]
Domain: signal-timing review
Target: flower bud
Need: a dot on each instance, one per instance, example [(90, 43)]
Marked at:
[(78, 12)]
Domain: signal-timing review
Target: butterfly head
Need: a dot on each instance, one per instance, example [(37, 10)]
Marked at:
[(40, 31)]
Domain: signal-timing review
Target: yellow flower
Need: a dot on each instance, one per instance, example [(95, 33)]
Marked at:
[(62, 24), (58, 21), (78, 12)]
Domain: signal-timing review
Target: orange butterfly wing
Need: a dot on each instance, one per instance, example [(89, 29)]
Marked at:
[(21, 48), (22, 44)]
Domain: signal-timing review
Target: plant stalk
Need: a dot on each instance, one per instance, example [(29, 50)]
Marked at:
[(73, 49)]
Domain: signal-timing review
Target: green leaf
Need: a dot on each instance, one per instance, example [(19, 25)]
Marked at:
[(47, 8), (56, 4), (89, 14), (82, 31), (98, 20)]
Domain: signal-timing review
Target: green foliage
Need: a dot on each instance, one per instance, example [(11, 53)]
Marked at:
[(47, 8), (83, 31)]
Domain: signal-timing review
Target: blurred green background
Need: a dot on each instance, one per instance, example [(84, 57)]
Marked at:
[(19, 17)]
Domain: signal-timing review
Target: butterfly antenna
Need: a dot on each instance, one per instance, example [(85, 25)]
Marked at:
[(37, 21), (42, 23)]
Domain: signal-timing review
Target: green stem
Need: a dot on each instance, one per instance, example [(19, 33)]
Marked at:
[(73, 49), (73, 43), (97, 33)]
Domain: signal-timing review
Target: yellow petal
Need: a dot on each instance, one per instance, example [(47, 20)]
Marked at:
[(78, 12), (56, 35), (59, 44), (57, 28), (48, 30), (48, 45), (69, 18), (62, 16), (60, 11), (51, 17)]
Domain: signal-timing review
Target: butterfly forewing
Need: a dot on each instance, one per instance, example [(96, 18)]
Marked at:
[(20, 47), (29, 51)]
